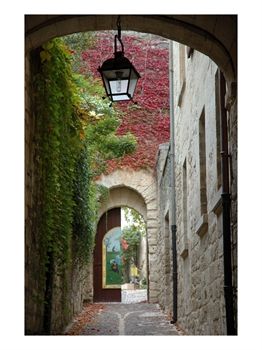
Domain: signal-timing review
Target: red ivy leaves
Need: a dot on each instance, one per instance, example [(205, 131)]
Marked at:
[(149, 119)]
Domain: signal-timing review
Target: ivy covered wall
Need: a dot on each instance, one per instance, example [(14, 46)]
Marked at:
[(72, 134)]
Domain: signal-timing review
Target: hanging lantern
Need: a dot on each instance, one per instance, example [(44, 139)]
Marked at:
[(119, 75)]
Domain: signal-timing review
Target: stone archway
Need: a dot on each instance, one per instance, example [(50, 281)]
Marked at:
[(136, 189), (124, 197), (213, 35)]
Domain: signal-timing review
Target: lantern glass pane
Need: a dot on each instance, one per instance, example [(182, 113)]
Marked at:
[(106, 83), (123, 97), (132, 83), (118, 86), (112, 74)]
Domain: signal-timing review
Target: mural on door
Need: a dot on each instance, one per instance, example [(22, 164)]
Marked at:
[(112, 263)]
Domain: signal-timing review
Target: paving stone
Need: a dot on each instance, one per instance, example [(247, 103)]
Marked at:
[(130, 319)]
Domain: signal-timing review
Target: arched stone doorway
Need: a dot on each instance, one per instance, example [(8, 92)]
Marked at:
[(109, 270), (137, 190)]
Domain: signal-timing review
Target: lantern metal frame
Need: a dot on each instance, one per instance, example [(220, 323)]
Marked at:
[(118, 73)]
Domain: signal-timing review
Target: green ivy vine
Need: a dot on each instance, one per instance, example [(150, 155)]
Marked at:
[(74, 136), (57, 146)]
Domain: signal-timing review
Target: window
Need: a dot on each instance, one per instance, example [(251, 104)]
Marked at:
[(181, 63), (185, 199), (218, 126), (182, 73), (202, 163), (184, 248), (189, 51)]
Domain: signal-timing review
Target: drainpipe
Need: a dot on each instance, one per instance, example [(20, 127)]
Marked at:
[(226, 206), (172, 178), (48, 299)]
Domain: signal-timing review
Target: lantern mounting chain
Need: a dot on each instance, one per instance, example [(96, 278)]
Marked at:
[(118, 37), (118, 23)]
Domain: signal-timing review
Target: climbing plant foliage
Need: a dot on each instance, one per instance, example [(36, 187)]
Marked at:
[(75, 136), (148, 120), (100, 123), (57, 145), (84, 218)]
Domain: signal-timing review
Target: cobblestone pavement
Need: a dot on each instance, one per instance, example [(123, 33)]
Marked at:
[(130, 319)]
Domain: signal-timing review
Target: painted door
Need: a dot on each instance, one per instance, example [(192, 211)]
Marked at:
[(107, 263)]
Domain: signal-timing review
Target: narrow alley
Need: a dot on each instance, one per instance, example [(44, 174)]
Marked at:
[(131, 176), (122, 319), (123, 213)]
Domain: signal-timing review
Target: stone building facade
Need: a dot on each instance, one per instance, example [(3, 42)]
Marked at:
[(198, 188)]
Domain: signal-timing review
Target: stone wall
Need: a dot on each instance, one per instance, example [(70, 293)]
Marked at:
[(34, 292), (78, 281), (70, 291), (201, 306), (164, 238)]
